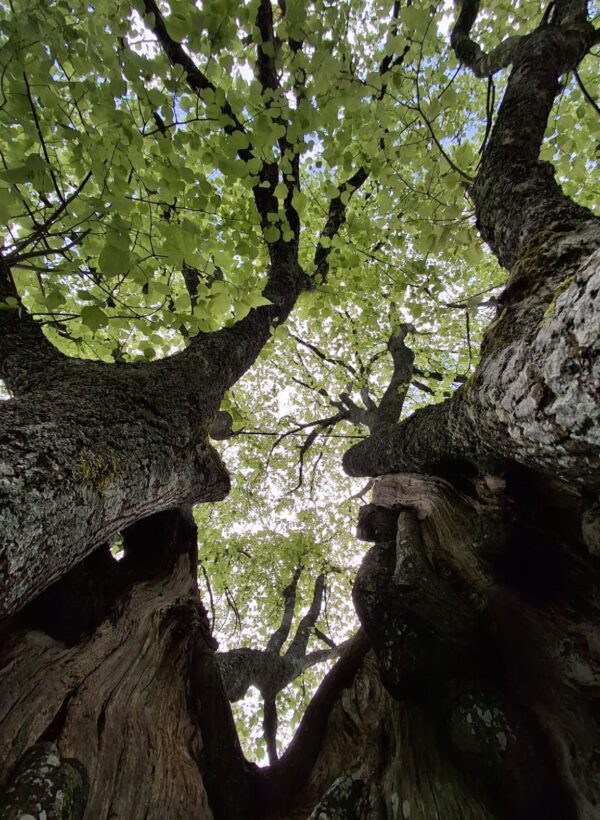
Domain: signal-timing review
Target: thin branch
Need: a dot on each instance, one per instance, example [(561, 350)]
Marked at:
[(297, 648), (43, 227), (321, 355), (586, 93), (326, 422), (38, 128), (325, 638), (280, 636), (306, 445), (210, 595)]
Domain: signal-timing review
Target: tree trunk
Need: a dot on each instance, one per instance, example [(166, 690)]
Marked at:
[(88, 448), (100, 668), (481, 700), (481, 596), (93, 453), (111, 690)]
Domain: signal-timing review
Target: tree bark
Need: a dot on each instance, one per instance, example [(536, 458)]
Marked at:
[(112, 691), (87, 448), (481, 697), (111, 674)]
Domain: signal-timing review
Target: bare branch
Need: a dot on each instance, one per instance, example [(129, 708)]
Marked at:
[(586, 93), (210, 595), (325, 638), (321, 355), (43, 227)]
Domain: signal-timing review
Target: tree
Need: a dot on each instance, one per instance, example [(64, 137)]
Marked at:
[(270, 670), (479, 599)]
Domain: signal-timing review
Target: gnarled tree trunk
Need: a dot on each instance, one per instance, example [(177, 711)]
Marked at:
[(100, 667)]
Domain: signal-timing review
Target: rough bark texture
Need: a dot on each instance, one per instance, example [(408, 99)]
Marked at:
[(483, 607), (481, 698), (86, 458), (113, 673), (382, 760), (44, 783), (480, 597), (87, 448), (113, 694)]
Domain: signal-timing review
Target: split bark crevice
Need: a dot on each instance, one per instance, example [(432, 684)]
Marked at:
[(115, 696), (114, 671), (483, 612)]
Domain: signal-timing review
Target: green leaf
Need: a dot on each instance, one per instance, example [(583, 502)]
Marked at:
[(93, 317), (257, 300), (114, 259), (272, 234)]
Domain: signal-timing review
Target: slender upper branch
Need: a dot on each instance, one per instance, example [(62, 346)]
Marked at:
[(392, 401), (297, 648), (198, 82), (177, 55), (280, 636), (336, 217)]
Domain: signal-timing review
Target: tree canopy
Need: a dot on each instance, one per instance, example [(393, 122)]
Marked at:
[(159, 158)]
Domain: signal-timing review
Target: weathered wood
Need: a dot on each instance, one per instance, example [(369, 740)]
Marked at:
[(117, 701)]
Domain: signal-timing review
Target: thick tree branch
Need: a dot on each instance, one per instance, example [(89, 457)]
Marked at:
[(265, 50), (516, 195), (26, 355), (294, 766), (261, 792), (392, 401), (470, 53), (270, 722), (177, 55), (270, 671), (266, 64)]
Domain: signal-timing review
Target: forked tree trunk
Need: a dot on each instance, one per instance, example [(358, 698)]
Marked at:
[(111, 695)]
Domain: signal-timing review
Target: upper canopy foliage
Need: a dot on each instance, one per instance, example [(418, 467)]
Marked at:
[(119, 174), (152, 155)]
